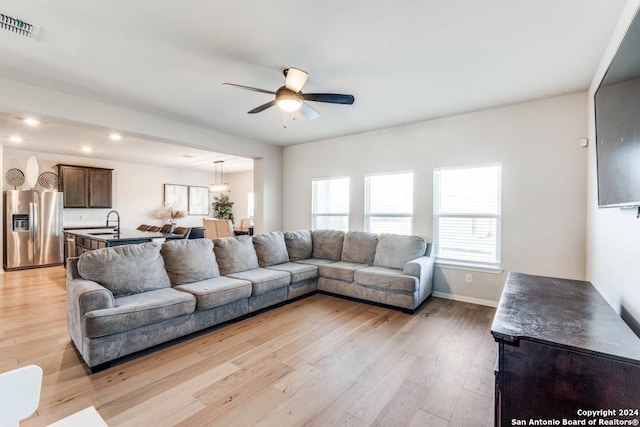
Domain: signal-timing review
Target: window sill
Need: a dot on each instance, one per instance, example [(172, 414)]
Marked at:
[(470, 267)]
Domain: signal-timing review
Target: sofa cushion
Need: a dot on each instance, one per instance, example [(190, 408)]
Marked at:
[(340, 270), (270, 248), (235, 254), (387, 278), (263, 280), (359, 247), (299, 244), (135, 311), (395, 250), (327, 244), (217, 291), (298, 272), (188, 261), (127, 269)]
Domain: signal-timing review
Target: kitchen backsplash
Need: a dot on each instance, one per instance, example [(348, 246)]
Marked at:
[(85, 217)]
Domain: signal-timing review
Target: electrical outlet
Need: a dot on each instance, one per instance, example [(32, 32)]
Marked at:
[(468, 278)]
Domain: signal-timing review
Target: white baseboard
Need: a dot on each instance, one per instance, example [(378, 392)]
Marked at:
[(462, 298)]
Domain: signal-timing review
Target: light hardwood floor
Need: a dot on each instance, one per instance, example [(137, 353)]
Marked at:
[(320, 361)]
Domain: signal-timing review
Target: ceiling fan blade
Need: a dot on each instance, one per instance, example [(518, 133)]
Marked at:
[(255, 89), (333, 98), (295, 79), (308, 111), (263, 107)]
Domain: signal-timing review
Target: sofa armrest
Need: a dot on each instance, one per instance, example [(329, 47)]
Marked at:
[(419, 266), (72, 268), (89, 295), (84, 296), (422, 268)]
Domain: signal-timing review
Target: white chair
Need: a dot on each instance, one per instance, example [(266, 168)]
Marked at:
[(19, 394)]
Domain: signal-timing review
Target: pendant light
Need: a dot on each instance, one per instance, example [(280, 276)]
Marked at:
[(218, 186)]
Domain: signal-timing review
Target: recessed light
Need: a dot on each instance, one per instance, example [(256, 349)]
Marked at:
[(86, 149), (30, 121), (115, 136), (15, 139)]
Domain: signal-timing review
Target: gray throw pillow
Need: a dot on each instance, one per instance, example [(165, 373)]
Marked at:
[(395, 250), (327, 244), (270, 248), (299, 244), (189, 260), (235, 254), (125, 270), (359, 247)]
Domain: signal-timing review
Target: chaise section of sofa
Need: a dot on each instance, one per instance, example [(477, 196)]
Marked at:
[(401, 274), (388, 269)]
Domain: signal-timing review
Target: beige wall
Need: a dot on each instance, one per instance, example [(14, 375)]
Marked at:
[(544, 172), (613, 247)]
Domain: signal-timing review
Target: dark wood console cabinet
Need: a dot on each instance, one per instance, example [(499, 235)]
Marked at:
[(562, 351), (85, 187)]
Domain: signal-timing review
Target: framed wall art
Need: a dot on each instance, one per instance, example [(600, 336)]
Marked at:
[(177, 196), (198, 200)]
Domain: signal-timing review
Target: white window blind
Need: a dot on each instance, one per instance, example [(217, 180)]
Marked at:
[(389, 203), (330, 208), (467, 215)]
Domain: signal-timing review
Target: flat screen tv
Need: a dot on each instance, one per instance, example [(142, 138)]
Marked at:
[(617, 105)]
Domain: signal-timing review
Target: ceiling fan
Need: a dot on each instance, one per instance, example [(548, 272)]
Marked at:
[(290, 98)]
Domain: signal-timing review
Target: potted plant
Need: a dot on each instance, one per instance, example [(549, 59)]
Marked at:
[(222, 207)]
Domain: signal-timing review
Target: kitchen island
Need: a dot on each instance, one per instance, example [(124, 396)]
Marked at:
[(84, 240)]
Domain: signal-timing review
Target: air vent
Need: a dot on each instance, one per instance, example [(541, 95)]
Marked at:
[(18, 26)]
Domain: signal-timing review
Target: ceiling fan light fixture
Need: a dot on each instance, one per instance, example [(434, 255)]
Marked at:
[(295, 78), (289, 102), (290, 99)]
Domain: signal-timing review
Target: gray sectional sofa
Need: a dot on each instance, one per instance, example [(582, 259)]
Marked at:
[(128, 298)]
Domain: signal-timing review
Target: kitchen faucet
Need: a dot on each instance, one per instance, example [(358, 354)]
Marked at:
[(117, 229)]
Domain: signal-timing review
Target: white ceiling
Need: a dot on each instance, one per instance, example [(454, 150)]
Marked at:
[(54, 135), (404, 61)]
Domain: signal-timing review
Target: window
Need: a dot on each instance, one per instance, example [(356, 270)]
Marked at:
[(330, 208), (389, 203), (466, 215), (250, 209)]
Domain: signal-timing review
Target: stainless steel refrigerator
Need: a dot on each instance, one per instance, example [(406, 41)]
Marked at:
[(33, 235)]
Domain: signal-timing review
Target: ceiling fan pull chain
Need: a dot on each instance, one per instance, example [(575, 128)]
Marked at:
[(284, 119)]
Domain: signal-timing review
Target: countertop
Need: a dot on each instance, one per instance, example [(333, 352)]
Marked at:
[(85, 227), (108, 235)]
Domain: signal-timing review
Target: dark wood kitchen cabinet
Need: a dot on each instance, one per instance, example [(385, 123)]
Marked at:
[(85, 187), (562, 350)]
